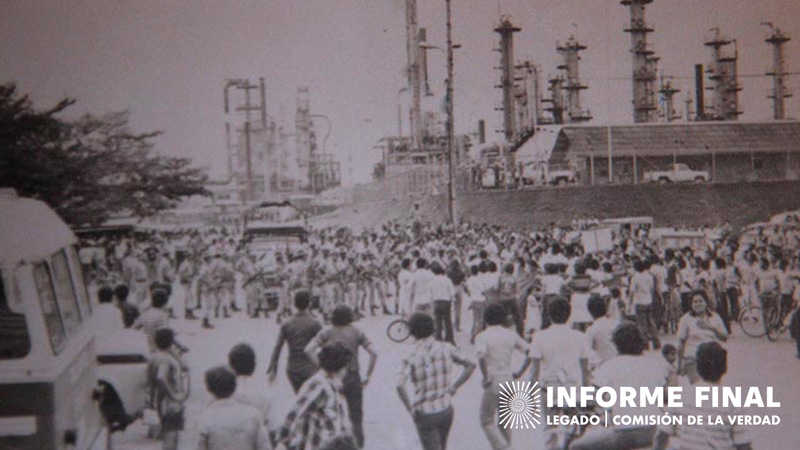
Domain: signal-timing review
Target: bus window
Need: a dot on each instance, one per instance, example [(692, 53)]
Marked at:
[(65, 293), (52, 318), (15, 342), (83, 294)]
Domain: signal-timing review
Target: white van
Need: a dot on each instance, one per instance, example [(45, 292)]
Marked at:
[(48, 363)]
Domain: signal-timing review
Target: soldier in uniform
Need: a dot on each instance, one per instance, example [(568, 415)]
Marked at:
[(134, 275), (187, 274)]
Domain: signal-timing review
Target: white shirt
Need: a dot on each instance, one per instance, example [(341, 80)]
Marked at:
[(108, 317), (642, 287), (441, 288), (475, 287), (689, 330), (496, 344), (600, 335), (420, 286), (560, 349)]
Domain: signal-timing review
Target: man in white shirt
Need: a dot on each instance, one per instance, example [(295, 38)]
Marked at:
[(600, 333), (442, 293), (641, 293), (420, 288), (560, 358), (495, 348)]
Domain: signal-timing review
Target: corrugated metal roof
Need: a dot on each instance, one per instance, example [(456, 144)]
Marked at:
[(684, 139)]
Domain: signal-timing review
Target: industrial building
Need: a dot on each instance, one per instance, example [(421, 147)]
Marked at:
[(729, 151)]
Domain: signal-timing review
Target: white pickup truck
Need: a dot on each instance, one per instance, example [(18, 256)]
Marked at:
[(676, 174)]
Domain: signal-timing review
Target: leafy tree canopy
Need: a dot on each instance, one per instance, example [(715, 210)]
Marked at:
[(90, 168)]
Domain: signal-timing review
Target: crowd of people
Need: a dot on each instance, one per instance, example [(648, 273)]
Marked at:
[(477, 296)]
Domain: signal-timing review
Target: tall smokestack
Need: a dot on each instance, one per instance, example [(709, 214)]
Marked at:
[(698, 91), (571, 53), (506, 31), (779, 92), (481, 131), (644, 77)]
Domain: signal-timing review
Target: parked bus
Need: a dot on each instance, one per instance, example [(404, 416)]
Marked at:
[(49, 396)]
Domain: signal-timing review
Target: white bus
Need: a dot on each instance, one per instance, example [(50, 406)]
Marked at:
[(49, 396)]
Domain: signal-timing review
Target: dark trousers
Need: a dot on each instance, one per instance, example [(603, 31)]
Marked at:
[(512, 307), (546, 309), (729, 306), (434, 428), (297, 378), (443, 320), (354, 394), (686, 302), (644, 320)]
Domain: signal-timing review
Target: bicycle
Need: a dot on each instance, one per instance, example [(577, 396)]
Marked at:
[(757, 321), (775, 316)]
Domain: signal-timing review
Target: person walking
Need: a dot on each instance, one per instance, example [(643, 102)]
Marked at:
[(442, 293), (640, 299), (495, 346), (342, 331), (428, 366), (296, 333)]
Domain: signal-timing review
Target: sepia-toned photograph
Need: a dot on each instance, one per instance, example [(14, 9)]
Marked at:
[(399, 225)]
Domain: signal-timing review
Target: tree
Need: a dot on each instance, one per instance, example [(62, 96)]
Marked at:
[(90, 168)]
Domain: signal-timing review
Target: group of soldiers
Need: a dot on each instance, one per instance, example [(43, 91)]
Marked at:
[(217, 273)]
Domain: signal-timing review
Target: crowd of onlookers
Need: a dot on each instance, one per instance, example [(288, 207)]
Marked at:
[(574, 317)]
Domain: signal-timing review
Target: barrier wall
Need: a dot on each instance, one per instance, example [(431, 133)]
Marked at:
[(674, 204)]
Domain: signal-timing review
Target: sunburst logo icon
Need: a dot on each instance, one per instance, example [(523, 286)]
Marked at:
[(519, 405)]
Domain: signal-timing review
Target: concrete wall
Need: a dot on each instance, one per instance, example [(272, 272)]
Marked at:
[(690, 204)]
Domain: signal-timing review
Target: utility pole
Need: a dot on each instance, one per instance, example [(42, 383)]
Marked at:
[(451, 197)]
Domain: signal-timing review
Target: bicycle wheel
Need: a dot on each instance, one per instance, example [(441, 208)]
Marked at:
[(773, 324), (398, 330), (751, 320)]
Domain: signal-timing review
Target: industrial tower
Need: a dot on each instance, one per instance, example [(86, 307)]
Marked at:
[(667, 91), (723, 72), (778, 72), (506, 31), (556, 99), (305, 137), (571, 53), (644, 76), (528, 97)]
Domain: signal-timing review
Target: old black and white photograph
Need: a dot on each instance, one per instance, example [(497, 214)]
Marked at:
[(399, 225)]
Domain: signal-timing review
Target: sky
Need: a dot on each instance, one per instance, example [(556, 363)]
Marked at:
[(166, 61)]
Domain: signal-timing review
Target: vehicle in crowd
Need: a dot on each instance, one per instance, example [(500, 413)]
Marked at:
[(537, 173), (48, 355), (679, 239), (271, 224), (677, 173), (625, 223)]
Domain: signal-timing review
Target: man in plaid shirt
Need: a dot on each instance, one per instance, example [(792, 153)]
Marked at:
[(320, 413), (429, 368)]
